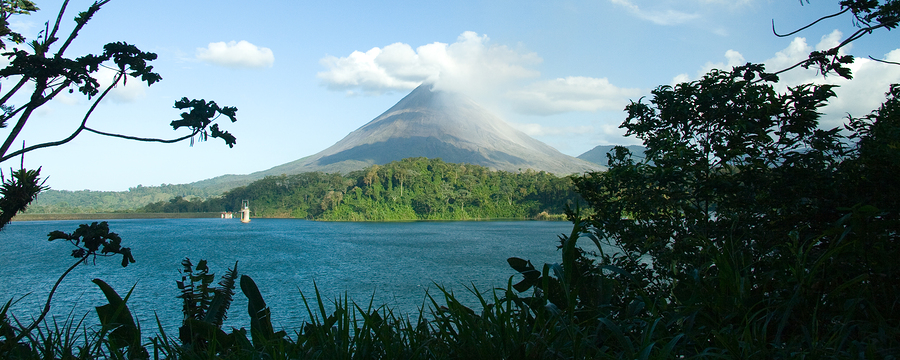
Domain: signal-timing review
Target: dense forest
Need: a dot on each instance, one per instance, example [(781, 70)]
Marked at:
[(410, 189), (88, 201)]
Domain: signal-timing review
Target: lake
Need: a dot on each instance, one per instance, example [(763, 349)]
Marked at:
[(394, 262)]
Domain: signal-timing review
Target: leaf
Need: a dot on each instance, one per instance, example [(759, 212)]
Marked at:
[(531, 275), (116, 318), (261, 330), (520, 265)]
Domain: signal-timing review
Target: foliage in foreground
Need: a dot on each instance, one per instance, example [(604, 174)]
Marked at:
[(39, 70), (747, 230)]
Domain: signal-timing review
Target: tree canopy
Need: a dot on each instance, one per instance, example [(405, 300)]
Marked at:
[(43, 66), (747, 229), (410, 189)]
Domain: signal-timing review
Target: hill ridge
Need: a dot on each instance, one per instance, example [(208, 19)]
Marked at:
[(432, 124)]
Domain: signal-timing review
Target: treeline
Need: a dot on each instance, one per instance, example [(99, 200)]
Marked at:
[(410, 189), (88, 201)]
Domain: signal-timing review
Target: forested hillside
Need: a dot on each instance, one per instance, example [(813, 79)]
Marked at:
[(410, 189), (87, 201)]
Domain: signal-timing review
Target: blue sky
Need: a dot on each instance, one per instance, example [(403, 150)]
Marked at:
[(304, 74)]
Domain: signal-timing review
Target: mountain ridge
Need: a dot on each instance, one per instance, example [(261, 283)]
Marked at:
[(432, 124), (597, 155)]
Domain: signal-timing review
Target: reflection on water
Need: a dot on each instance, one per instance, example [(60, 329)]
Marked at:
[(393, 262)]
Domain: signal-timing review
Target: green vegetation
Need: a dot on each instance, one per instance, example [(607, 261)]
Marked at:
[(92, 202), (42, 73), (750, 233), (36, 74), (738, 244), (410, 189)]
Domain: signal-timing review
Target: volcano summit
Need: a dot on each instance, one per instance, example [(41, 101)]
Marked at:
[(437, 124), (433, 124)]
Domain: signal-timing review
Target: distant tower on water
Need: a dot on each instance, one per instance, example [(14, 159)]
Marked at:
[(245, 211)]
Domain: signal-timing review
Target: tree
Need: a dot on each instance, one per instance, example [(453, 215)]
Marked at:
[(747, 231), (745, 218), (44, 66), (867, 15)]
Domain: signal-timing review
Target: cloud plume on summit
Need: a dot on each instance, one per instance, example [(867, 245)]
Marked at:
[(469, 63), (472, 66)]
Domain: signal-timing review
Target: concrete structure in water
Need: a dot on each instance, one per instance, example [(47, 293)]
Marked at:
[(245, 211)]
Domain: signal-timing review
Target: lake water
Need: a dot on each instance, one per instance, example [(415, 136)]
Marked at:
[(395, 262)]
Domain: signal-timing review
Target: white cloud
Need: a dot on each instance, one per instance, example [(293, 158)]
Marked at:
[(489, 73), (540, 130), (864, 93), (680, 78), (363, 70), (574, 93), (28, 29), (732, 59), (241, 54), (129, 90), (856, 97), (470, 65), (659, 17)]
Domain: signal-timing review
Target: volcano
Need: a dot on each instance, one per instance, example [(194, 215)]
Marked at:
[(433, 124), (437, 124)]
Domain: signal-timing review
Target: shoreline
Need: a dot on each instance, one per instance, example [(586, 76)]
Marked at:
[(113, 216), (215, 215)]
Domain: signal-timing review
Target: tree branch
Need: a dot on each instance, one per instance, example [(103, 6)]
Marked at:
[(807, 26), (14, 90), (856, 35), (62, 10), (29, 108), (74, 134), (166, 141), (46, 310), (884, 61), (80, 24)]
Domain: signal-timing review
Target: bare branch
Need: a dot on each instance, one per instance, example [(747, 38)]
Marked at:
[(29, 108), (47, 305), (62, 10), (93, 9), (53, 94), (14, 90), (166, 141), (84, 127), (14, 112), (74, 134), (884, 61), (807, 26), (855, 36)]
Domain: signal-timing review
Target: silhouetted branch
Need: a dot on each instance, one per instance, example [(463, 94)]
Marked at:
[(81, 20), (166, 141), (884, 61), (14, 90), (77, 131), (46, 309), (807, 26), (835, 63)]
